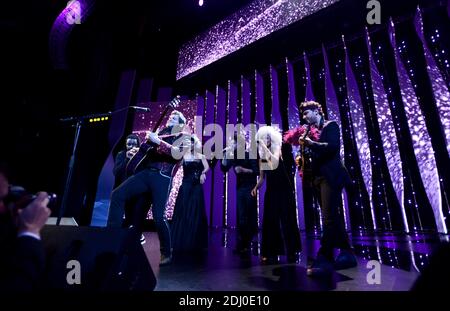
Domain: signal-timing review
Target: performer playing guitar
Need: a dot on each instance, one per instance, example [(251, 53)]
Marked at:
[(153, 178), (137, 161)]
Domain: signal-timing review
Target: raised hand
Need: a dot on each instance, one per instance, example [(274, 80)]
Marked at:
[(33, 217)]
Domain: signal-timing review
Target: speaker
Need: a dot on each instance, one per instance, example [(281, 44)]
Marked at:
[(95, 259)]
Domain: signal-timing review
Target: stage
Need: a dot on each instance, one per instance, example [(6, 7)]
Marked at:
[(218, 269)]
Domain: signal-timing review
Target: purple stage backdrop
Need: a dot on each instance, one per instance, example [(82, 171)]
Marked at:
[(294, 121), (440, 89), (387, 128), (360, 130), (423, 149), (332, 109)]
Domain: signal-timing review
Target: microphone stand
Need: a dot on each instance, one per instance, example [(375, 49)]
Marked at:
[(79, 122)]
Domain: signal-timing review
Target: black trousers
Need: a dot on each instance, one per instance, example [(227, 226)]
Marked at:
[(247, 215), (156, 187), (334, 234), (136, 211), (280, 234)]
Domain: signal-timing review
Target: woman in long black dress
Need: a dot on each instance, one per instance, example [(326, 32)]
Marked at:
[(189, 226), (280, 234)]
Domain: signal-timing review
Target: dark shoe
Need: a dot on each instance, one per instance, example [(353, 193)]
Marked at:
[(165, 260), (345, 260), (321, 267)]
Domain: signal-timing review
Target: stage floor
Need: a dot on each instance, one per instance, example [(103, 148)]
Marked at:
[(401, 258)]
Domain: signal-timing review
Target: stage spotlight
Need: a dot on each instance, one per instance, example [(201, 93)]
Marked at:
[(200, 2)]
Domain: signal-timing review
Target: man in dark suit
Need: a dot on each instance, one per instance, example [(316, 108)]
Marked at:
[(329, 176), (136, 209), (123, 157), (22, 259)]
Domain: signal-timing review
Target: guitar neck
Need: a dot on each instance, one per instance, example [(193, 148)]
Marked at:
[(158, 123)]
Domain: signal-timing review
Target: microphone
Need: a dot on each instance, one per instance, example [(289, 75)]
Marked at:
[(140, 109)]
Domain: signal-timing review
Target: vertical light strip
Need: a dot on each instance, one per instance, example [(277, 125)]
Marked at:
[(423, 150), (360, 129), (208, 185), (293, 122), (226, 177), (309, 90), (334, 114), (309, 95), (232, 119), (261, 120), (276, 114), (245, 100), (388, 137), (218, 217), (440, 89)]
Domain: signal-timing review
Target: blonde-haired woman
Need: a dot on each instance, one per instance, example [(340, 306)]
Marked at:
[(280, 234)]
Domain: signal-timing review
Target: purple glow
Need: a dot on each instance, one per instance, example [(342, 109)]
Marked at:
[(309, 95), (440, 90), (217, 220), (421, 140), (333, 114), (208, 186), (259, 99), (276, 114), (257, 20), (245, 100), (387, 128), (294, 121), (360, 130), (260, 119), (74, 13), (293, 113), (332, 103), (231, 182)]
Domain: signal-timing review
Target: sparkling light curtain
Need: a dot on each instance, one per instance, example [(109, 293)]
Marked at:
[(440, 89), (333, 114), (388, 137), (360, 130), (423, 149)]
